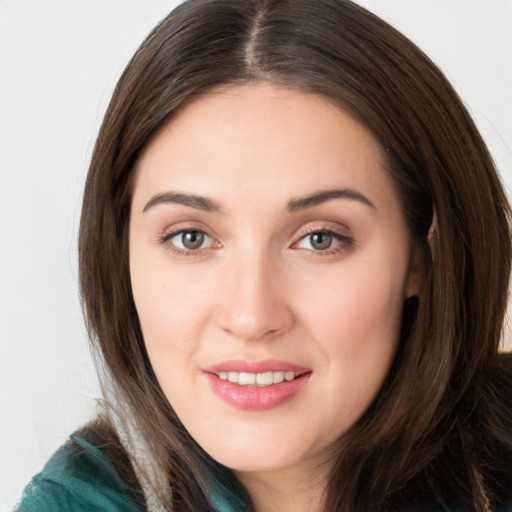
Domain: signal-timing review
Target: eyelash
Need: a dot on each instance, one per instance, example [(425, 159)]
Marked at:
[(166, 240), (344, 242)]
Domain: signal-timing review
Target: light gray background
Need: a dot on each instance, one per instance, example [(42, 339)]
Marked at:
[(59, 61)]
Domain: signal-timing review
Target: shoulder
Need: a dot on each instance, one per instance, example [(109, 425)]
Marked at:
[(90, 472)]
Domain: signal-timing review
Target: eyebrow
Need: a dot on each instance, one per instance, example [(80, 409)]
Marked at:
[(317, 198), (191, 200), (302, 203)]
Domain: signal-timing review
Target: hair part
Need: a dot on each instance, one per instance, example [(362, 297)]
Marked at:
[(438, 162)]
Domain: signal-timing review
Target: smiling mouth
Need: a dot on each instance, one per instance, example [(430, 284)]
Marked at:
[(264, 379), (257, 386)]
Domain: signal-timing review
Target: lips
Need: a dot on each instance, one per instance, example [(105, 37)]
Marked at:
[(256, 385)]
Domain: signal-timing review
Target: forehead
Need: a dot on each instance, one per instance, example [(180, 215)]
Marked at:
[(273, 141)]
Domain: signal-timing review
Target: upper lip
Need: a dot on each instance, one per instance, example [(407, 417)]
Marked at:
[(267, 365)]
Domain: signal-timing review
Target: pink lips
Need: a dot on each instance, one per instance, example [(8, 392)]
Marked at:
[(254, 398)]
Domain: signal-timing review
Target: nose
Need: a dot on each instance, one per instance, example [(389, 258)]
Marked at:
[(254, 303)]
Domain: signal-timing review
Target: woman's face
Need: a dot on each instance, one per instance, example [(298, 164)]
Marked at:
[(270, 261)]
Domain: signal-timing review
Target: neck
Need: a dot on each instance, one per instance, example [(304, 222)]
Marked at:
[(287, 490)]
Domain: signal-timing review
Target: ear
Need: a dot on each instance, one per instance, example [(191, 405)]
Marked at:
[(415, 265), (432, 231)]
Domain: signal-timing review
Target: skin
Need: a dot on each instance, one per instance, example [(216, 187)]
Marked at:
[(258, 288)]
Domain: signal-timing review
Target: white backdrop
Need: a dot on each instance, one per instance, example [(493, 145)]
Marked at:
[(59, 61)]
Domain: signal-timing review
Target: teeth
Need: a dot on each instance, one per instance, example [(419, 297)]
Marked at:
[(246, 379), (264, 379), (278, 377), (256, 379)]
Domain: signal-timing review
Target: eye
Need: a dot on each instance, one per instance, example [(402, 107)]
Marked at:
[(324, 241), (190, 240), (320, 241)]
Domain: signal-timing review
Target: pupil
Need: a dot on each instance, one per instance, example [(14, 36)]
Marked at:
[(321, 241), (192, 239)]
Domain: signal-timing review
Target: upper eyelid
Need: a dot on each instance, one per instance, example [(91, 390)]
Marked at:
[(180, 227), (326, 227)]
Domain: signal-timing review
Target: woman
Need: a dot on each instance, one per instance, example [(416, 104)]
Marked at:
[(294, 257)]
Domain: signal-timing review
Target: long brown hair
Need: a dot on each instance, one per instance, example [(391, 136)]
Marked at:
[(447, 184)]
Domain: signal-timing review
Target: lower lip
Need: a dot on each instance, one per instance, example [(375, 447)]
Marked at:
[(253, 398)]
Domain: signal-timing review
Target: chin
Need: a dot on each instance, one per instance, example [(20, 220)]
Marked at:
[(260, 456)]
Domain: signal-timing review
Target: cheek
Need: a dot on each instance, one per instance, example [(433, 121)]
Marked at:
[(172, 315), (366, 300), (356, 324), (171, 307)]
